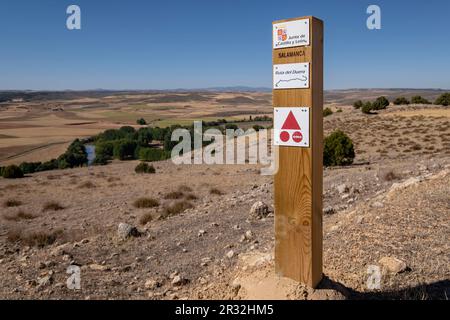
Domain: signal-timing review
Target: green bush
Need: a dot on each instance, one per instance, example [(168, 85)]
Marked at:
[(12, 172), (100, 160), (104, 149), (29, 167), (144, 168), (144, 136), (124, 149), (338, 150), (401, 101), (257, 127), (151, 154), (358, 104), (367, 107), (127, 129), (380, 104), (141, 121), (48, 165), (419, 100), (75, 156), (443, 99), (327, 112)]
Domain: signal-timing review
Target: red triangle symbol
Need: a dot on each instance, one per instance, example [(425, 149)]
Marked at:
[(291, 123)]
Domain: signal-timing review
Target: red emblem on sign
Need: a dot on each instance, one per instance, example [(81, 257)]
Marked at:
[(291, 124)]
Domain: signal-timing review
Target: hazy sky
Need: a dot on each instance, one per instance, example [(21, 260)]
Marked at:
[(194, 43)]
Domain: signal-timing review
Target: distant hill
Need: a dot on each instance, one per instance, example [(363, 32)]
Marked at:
[(347, 96)]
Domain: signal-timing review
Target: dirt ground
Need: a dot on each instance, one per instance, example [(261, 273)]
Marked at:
[(393, 202)]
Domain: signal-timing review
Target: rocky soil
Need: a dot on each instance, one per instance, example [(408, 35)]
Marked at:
[(389, 213)]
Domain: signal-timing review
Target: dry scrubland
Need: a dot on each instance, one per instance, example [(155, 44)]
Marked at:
[(195, 237)]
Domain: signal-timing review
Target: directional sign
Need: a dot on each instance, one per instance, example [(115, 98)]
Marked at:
[(291, 34), (291, 127), (291, 76)]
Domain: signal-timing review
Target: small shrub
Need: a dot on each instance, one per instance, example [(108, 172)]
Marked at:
[(215, 191), (191, 196), (367, 107), (177, 207), (12, 203), (87, 184), (358, 104), (146, 218), (390, 175), (380, 103), (174, 195), (184, 188), (338, 150), (257, 127), (144, 168), (443, 99), (152, 154), (419, 100), (146, 203), (339, 110), (401, 101), (35, 239), (12, 172), (327, 112), (21, 215), (52, 206)]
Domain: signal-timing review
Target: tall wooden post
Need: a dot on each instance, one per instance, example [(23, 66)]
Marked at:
[(297, 44)]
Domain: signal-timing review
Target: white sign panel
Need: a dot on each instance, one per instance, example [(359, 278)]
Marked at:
[(291, 76), (291, 34), (291, 127)]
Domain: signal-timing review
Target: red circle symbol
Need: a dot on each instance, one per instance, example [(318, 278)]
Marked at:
[(297, 136), (284, 136)]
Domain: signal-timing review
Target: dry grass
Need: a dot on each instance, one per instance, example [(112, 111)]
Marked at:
[(191, 196), (215, 191), (35, 239), (145, 203), (174, 195), (184, 188), (146, 218), (12, 203), (87, 185), (52, 206), (21, 215), (390, 176), (176, 208)]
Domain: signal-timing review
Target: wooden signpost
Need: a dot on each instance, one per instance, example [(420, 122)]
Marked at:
[(298, 131)]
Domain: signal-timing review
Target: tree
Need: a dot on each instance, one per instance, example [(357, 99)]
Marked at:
[(75, 156), (144, 136), (443, 99), (141, 121), (338, 150), (401, 101), (12, 172), (358, 104), (419, 100), (124, 149)]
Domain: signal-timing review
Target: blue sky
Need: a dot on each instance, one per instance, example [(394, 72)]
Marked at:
[(170, 44)]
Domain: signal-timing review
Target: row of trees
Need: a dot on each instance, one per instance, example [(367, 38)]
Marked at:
[(75, 156), (368, 106), (382, 102)]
